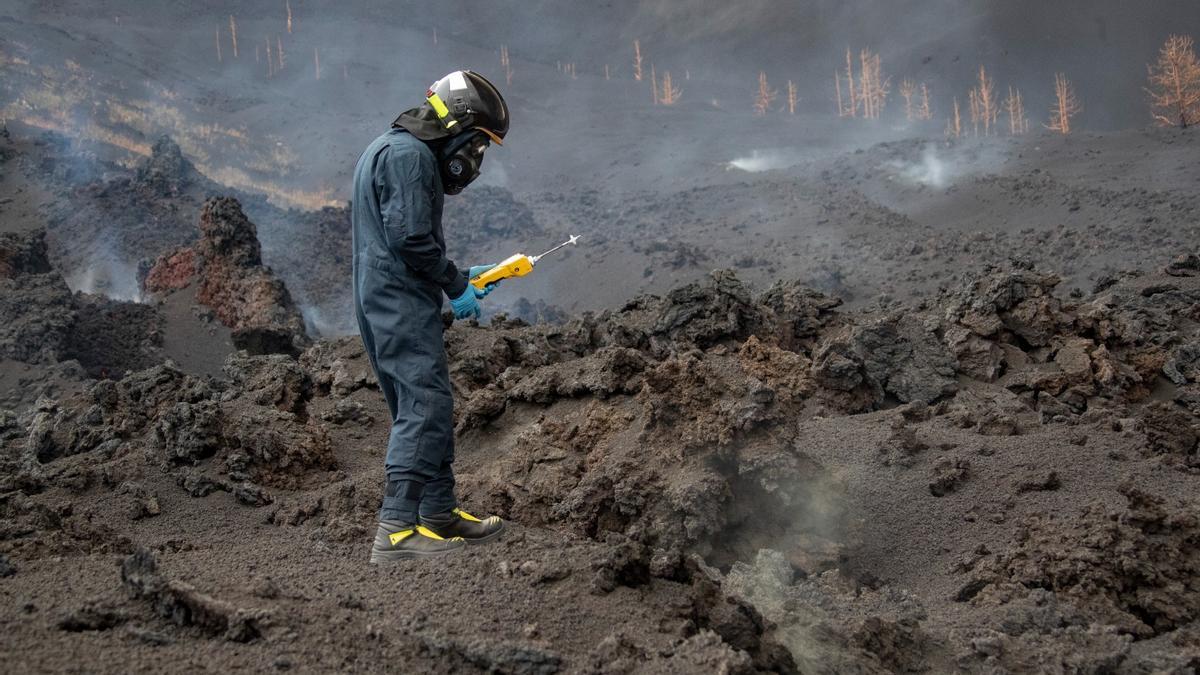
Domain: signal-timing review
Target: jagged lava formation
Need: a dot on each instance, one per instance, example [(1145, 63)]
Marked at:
[(226, 266)]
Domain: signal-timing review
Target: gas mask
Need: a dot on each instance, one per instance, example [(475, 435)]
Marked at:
[(460, 159)]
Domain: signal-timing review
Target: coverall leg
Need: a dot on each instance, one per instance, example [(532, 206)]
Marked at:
[(400, 321)]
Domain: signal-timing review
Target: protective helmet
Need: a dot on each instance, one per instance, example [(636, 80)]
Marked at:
[(466, 100)]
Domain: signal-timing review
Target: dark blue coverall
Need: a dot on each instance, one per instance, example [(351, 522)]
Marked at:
[(400, 273)]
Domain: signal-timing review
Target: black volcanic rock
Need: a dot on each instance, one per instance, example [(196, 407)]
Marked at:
[(36, 311), (166, 170)]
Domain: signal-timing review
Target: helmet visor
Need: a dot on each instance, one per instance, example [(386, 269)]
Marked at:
[(491, 104)]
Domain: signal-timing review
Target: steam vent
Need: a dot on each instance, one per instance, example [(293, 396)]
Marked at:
[(874, 346)]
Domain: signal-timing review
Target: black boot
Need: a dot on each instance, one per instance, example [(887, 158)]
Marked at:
[(459, 523), (396, 541)]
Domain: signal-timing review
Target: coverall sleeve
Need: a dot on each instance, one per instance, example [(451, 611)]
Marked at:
[(405, 181)]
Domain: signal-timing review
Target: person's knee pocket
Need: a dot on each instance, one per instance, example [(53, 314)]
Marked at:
[(437, 441), (441, 408)]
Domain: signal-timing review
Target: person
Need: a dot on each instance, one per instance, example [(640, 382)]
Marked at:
[(400, 273)]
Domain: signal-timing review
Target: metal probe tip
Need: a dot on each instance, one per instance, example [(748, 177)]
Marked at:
[(574, 238)]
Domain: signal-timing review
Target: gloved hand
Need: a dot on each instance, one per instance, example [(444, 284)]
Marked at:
[(466, 306), (476, 271)]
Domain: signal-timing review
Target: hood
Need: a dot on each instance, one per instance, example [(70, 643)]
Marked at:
[(423, 123)]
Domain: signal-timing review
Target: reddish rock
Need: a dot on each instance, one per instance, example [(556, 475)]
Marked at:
[(226, 266), (171, 272)]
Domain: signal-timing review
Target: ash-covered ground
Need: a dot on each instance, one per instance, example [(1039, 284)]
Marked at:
[(812, 395), (994, 476)]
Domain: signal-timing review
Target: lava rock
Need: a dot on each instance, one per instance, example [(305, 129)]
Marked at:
[(183, 605), (226, 267)]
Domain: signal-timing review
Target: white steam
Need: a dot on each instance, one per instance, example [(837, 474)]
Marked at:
[(945, 168), (493, 173), (112, 279), (319, 323), (931, 170), (766, 160)]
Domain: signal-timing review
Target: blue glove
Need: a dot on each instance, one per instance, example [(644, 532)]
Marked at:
[(466, 306), (476, 271)]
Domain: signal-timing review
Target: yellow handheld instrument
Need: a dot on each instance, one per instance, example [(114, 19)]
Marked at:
[(515, 266)]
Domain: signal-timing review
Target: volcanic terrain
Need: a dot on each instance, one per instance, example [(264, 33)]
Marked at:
[(807, 396)]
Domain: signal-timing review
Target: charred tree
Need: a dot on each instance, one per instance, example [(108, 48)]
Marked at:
[(765, 96), (1066, 105), (1175, 84)]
